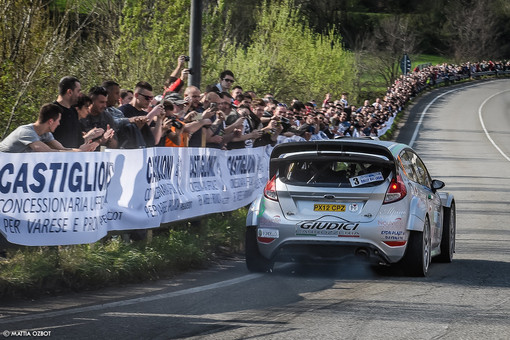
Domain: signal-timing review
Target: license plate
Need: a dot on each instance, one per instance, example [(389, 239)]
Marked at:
[(329, 207)]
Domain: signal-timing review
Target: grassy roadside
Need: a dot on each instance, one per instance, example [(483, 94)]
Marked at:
[(36, 271)]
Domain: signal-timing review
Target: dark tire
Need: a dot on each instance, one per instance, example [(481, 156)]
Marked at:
[(255, 262), (448, 236), (416, 260)]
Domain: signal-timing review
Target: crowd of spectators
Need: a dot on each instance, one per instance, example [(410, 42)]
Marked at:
[(223, 116)]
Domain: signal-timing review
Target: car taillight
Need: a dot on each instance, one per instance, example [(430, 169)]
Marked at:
[(270, 189), (396, 191), (395, 243)]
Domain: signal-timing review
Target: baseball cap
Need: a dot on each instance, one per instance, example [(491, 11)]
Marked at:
[(175, 98)]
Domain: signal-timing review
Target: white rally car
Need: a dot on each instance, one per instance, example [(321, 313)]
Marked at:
[(329, 199)]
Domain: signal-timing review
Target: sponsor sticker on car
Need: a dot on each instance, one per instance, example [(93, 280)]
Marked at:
[(329, 207), (268, 233), (364, 179), (325, 229)]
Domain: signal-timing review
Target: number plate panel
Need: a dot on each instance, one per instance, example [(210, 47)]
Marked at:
[(329, 207)]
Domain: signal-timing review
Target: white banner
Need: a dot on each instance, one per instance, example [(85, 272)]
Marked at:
[(75, 198)]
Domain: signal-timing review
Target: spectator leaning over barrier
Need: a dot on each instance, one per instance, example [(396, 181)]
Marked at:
[(113, 96), (83, 108), (179, 124), (173, 127), (219, 134), (269, 127), (151, 131), (244, 137), (68, 133), (236, 122), (127, 130), (209, 102), (99, 118), (38, 136)]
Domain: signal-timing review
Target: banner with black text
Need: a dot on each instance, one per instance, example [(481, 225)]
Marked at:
[(76, 198)]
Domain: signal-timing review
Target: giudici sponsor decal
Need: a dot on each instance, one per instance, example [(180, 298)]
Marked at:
[(328, 226), (338, 229)]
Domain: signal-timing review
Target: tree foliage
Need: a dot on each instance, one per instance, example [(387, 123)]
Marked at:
[(289, 60), (152, 36), (291, 48), (34, 43)]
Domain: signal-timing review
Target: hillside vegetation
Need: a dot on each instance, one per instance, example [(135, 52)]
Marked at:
[(291, 48)]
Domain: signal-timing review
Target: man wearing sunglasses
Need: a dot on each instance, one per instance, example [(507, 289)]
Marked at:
[(151, 131), (226, 81)]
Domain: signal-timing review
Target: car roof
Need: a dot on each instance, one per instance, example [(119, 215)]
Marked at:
[(344, 144), (389, 150)]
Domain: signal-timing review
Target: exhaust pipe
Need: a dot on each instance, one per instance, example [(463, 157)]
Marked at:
[(362, 252)]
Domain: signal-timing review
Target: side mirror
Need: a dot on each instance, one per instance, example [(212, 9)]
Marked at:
[(437, 184)]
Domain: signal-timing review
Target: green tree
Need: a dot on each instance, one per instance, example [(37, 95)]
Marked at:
[(152, 36), (36, 44), (289, 60)]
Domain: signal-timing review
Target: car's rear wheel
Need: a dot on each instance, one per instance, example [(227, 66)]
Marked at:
[(416, 260), (448, 236), (255, 262)]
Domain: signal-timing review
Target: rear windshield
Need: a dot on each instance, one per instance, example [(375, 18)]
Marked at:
[(334, 173)]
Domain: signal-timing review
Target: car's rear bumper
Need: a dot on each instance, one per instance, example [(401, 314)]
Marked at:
[(296, 249)]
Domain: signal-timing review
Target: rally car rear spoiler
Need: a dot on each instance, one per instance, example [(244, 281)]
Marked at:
[(327, 147)]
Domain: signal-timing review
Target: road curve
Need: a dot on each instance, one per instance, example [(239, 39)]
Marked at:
[(463, 135)]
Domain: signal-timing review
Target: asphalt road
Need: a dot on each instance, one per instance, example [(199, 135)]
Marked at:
[(464, 138)]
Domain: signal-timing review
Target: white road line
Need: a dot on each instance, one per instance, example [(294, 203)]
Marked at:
[(123, 303), (483, 124), (424, 112)]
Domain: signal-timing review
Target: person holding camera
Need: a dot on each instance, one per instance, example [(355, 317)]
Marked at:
[(150, 124), (173, 127), (245, 135), (174, 83), (209, 103), (193, 96), (220, 126), (178, 127)]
